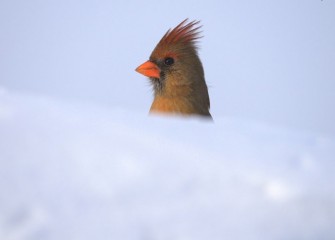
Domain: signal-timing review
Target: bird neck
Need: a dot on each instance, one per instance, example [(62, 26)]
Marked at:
[(182, 99), (171, 104)]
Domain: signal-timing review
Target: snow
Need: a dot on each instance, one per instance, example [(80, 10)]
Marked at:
[(78, 171)]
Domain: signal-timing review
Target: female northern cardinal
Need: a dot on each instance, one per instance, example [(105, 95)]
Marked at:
[(176, 73)]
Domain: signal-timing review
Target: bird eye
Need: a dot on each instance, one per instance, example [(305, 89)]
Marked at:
[(168, 61)]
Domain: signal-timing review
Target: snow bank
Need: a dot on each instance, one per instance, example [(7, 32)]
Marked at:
[(72, 171)]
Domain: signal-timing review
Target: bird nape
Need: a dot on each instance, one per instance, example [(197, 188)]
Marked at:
[(176, 73)]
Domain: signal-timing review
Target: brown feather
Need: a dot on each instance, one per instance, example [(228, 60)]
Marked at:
[(181, 87)]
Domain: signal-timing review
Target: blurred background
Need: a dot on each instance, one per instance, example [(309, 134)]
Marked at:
[(269, 61), (80, 159)]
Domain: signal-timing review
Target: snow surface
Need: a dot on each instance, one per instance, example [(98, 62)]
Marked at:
[(75, 171)]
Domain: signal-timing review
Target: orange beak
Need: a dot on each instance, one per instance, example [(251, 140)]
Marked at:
[(149, 69)]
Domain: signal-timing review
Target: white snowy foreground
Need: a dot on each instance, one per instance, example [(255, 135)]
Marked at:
[(72, 171)]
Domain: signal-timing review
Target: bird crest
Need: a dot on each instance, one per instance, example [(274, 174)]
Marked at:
[(186, 33)]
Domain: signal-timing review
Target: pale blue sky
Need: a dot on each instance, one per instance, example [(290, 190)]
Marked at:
[(271, 61)]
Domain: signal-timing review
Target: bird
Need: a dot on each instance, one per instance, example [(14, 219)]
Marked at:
[(176, 73)]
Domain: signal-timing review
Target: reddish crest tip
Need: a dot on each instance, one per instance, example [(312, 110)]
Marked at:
[(184, 32)]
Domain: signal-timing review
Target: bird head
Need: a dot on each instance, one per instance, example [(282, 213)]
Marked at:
[(176, 72)]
